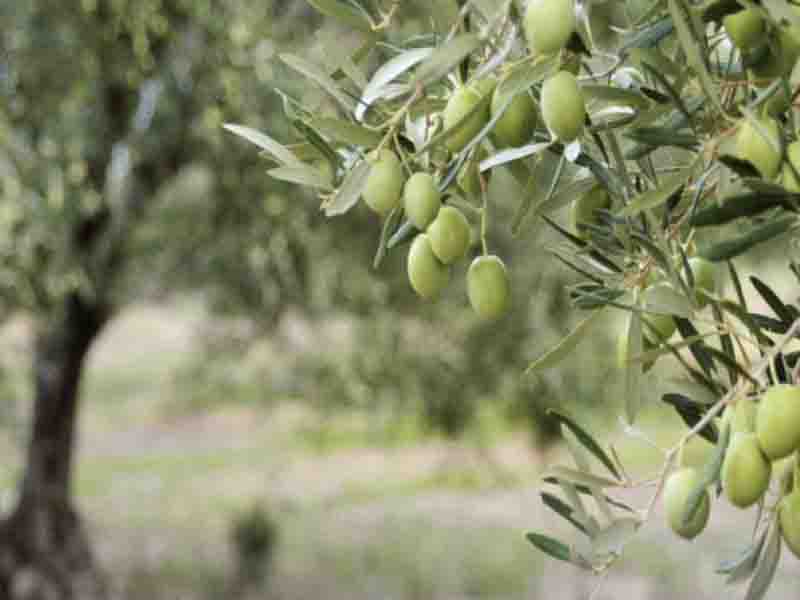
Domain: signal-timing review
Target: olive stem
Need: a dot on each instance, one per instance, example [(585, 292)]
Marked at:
[(484, 212)]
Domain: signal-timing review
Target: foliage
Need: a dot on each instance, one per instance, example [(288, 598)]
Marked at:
[(254, 536), (692, 139)]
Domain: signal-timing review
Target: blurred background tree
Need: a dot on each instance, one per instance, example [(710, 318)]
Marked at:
[(117, 183)]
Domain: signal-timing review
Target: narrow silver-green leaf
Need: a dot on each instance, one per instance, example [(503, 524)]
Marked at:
[(308, 176), (555, 355), (614, 95), (512, 154), (767, 565), (350, 190), (742, 565), (342, 12), (275, 149), (681, 16), (346, 132), (581, 477), (653, 198), (633, 370), (550, 546), (320, 77), (446, 58), (613, 538), (387, 73), (586, 439)]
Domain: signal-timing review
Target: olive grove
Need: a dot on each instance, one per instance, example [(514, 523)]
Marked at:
[(668, 131)]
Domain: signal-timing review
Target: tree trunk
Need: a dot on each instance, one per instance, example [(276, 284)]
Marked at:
[(44, 551)]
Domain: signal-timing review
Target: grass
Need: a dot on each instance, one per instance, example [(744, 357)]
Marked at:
[(367, 510)]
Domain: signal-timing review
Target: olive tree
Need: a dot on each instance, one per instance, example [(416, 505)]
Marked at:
[(106, 108), (668, 131)]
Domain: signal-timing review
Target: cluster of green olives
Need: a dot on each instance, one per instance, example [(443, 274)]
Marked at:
[(747, 29), (444, 239), (761, 434)]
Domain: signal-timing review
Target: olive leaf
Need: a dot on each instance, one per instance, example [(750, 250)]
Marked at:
[(670, 187), (586, 439), (767, 565), (786, 313), (709, 475), (350, 190), (613, 538), (558, 353), (580, 477), (445, 58), (550, 546), (563, 509), (346, 132), (633, 370), (278, 151), (306, 175), (743, 564), (391, 70), (731, 248), (692, 413), (511, 154), (741, 205), (390, 225), (342, 12), (320, 77)]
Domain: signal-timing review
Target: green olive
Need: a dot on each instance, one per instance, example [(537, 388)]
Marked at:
[(428, 276), (549, 24), (583, 210), (664, 324), (489, 287), (516, 126), (790, 181), (746, 471), (677, 489), (780, 60), (421, 200), (449, 235), (763, 153), (745, 28), (743, 415), (778, 421), (469, 177), (704, 273), (384, 186), (789, 519), (460, 104), (563, 108)]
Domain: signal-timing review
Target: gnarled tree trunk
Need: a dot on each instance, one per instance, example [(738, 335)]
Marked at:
[(44, 550)]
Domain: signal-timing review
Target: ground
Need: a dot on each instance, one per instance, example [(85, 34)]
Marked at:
[(362, 515)]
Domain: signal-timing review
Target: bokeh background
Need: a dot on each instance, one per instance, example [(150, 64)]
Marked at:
[(264, 415)]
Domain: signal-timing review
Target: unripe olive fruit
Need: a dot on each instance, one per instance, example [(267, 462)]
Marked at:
[(516, 126), (549, 25), (704, 273), (744, 412), (790, 181), (664, 324), (449, 234), (421, 200), (677, 489), (745, 28), (764, 154), (469, 177), (583, 210), (563, 108), (780, 60), (789, 519), (778, 421), (460, 104), (746, 471), (488, 287), (384, 186), (427, 275)]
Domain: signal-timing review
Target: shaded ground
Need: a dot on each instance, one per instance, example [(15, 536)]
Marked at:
[(407, 521)]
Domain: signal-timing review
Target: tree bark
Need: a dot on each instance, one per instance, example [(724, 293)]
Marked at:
[(44, 550)]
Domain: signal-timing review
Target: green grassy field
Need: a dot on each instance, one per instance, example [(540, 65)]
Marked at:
[(365, 511)]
